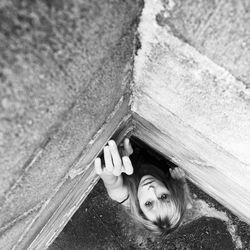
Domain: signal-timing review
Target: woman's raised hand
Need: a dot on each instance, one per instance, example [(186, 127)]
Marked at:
[(125, 148), (114, 164), (177, 173)]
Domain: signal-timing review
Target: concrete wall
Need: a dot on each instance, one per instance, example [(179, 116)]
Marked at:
[(191, 82), (217, 29), (64, 66), (206, 88)]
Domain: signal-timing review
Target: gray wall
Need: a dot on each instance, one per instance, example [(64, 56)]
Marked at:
[(62, 70)]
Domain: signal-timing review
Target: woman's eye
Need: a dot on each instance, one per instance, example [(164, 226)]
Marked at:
[(164, 196), (148, 204)]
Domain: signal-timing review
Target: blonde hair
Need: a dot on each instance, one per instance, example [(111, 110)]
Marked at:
[(178, 200)]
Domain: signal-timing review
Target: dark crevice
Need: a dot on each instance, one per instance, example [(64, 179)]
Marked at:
[(199, 233)]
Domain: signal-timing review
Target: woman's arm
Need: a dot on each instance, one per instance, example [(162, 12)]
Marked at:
[(111, 172)]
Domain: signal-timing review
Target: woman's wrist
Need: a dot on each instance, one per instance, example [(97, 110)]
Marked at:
[(112, 180)]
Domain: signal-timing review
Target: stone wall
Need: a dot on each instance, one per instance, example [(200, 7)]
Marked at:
[(64, 65)]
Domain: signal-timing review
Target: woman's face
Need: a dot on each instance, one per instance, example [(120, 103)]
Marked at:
[(153, 197)]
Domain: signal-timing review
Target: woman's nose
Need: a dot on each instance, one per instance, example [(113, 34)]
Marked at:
[(155, 191), (152, 190)]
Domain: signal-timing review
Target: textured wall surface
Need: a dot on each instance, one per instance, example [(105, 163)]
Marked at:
[(210, 98), (64, 65), (195, 95), (218, 29)]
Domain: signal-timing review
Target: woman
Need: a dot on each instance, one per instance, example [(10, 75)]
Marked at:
[(155, 200)]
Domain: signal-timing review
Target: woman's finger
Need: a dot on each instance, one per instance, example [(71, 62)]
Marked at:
[(177, 173), (172, 172), (107, 158), (181, 172), (115, 157), (128, 147), (98, 166), (117, 171), (128, 167)]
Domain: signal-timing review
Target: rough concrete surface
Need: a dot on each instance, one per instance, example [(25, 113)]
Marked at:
[(101, 223), (204, 95), (217, 29), (64, 65)]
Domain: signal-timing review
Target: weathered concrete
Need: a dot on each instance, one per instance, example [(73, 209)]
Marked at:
[(191, 108), (202, 94), (217, 29), (63, 68), (64, 65)]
